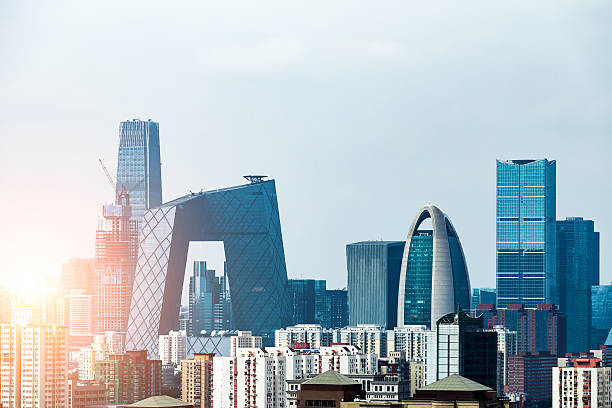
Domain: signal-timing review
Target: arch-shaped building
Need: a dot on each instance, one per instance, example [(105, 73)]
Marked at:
[(433, 278)]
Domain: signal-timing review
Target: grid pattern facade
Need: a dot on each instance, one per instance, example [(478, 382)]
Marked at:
[(417, 303), (526, 194), (138, 165), (373, 279), (245, 218), (576, 269), (302, 300)]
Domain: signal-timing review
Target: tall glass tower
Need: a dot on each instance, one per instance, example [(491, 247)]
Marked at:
[(526, 243), (139, 166)]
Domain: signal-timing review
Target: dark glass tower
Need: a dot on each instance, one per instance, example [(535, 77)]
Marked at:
[(601, 319), (302, 300), (373, 279), (433, 277), (577, 269), (246, 219), (526, 244), (207, 305), (139, 165)]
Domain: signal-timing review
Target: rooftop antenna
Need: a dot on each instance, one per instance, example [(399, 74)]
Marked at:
[(255, 179)]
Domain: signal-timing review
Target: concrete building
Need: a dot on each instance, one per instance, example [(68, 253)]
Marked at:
[(434, 277), (369, 338), (243, 339), (506, 347), (583, 384), (173, 347), (529, 375), (305, 335), (75, 311), (83, 394), (196, 380)]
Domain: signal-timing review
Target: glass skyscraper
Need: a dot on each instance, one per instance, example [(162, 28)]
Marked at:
[(139, 165), (302, 299), (208, 310), (526, 243), (373, 280), (246, 219), (434, 279), (482, 296), (601, 318), (577, 271)]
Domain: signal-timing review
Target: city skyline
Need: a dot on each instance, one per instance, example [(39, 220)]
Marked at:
[(233, 118)]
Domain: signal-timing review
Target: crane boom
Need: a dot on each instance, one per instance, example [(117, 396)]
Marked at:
[(110, 179)]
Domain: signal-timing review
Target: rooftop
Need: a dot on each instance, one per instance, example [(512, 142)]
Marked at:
[(455, 382), (160, 401), (331, 377)]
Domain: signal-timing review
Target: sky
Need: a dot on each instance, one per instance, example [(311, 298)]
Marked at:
[(362, 112)]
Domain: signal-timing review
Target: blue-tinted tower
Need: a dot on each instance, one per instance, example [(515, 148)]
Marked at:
[(373, 280), (526, 243), (577, 268), (483, 296), (601, 318), (139, 165), (434, 280), (246, 219), (302, 300)]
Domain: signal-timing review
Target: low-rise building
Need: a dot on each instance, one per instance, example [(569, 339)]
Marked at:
[(310, 335), (84, 394)]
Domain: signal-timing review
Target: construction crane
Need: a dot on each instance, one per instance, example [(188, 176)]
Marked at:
[(111, 180)]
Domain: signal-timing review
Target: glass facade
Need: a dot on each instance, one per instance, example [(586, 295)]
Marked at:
[(246, 219), (526, 194), (302, 299), (601, 317), (417, 303), (207, 301), (373, 280), (482, 296), (577, 267), (139, 165)]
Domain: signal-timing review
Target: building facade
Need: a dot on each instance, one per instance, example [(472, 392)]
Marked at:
[(577, 271), (482, 296), (526, 243), (78, 274), (529, 375), (302, 300), (173, 347), (433, 277), (208, 301), (585, 384), (196, 380), (601, 318), (254, 255), (139, 165), (506, 347), (369, 338), (305, 335), (373, 280)]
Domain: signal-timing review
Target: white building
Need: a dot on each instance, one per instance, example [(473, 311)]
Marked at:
[(103, 345), (419, 344), (173, 347), (313, 335), (243, 339), (585, 384), (34, 366), (75, 312), (369, 338), (506, 347)]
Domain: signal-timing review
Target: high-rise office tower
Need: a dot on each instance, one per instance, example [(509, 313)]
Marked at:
[(482, 296), (116, 254), (208, 309), (334, 308), (577, 271), (526, 244), (601, 317), (373, 280), (76, 313), (246, 219), (139, 165), (320, 287), (78, 274), (434, 279), (302, 300)]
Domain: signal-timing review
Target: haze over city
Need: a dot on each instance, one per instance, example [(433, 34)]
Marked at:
[(362, 115)]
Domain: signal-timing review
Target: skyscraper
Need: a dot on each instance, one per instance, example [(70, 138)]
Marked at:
[(246, 219), (139, 165), (577, 271), (601, 318), (373, 280), (302, 300), (434, 278), (526, 244), (207, 301), (334, 309), (482, 296)]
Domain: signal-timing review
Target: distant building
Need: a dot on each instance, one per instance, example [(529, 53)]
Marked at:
[(540, 329), (75, 311), (208, 301), (373, 280), (243, 339), (78, 274), (583, 384), (482, 296), (328, 389), (129, 377), (506, 347), (530, 374), (6, 305), (196, 380), (160, 401), (83, 394), (526, 243), (331, 306), (173, 347), (302, 300), (418, 343), (577, 271), (601, 318), (369, 338), (305, 335), (434, 278), (464, 348)]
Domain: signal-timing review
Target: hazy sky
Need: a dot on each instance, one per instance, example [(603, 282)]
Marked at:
[(362, 112)]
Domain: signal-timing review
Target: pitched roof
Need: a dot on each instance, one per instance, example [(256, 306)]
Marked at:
[(160, 401), (331, 377), (455, 383)]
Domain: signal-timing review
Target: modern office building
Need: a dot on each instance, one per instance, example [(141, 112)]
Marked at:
[(601, 317), (506, 347), (320, 303), (584, 383), (302, 300), (434, 278), (246, 219), (196, 380), (526, 243), (577, 271), (173, 347), (139, 165), (464, 348), (482, 296), (208, 301), (331, 306), (373, 280), (75, 312), (541, 329), (78, 274), (115, 264), (529, 374)]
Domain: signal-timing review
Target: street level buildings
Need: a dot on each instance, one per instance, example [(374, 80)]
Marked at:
[(196, 380), (583, 384), (526, 243)]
